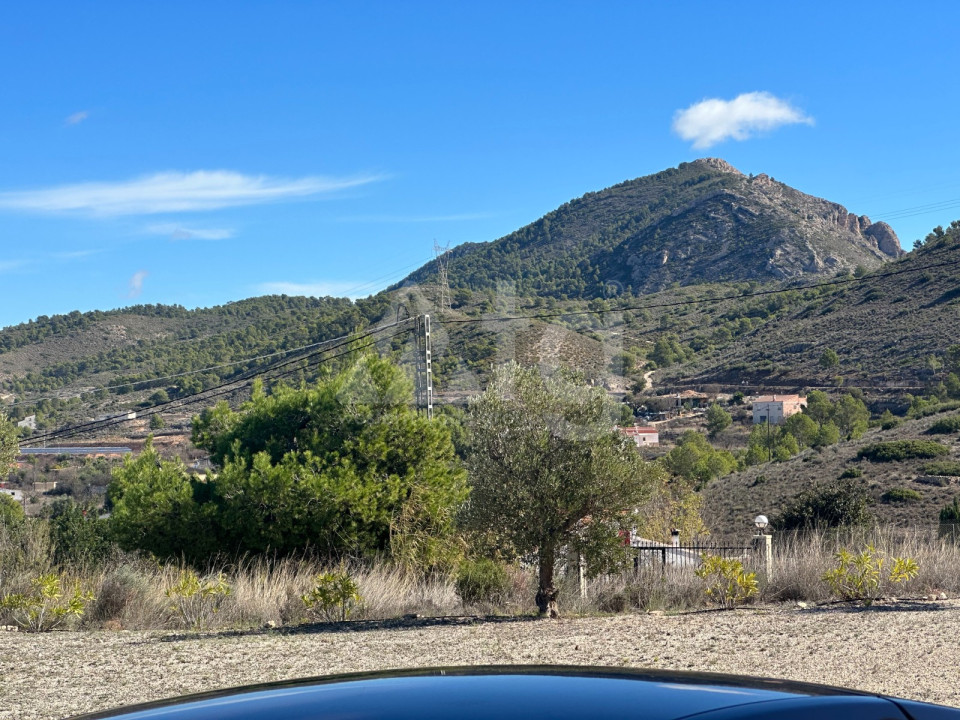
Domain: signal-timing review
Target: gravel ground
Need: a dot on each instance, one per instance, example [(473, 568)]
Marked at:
[(905, 649)]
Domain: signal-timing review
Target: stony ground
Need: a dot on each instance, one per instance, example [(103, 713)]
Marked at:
[(905, 649)]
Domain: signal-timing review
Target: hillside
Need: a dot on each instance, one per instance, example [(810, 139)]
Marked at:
[(732, 500), (884, 327), (703, 221)]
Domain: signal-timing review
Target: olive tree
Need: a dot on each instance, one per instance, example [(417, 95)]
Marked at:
[(548, 470)]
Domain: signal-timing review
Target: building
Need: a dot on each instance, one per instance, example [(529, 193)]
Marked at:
[(690, 398), (29, 422), (642, 436), (15, 494), (774, 409)]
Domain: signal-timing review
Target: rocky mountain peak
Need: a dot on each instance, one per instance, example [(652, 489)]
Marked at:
[(713, 164)]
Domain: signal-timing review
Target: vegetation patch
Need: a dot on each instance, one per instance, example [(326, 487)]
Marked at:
[(902, 450), (901, 495), (945, 426), (834, 505), (950, 468)]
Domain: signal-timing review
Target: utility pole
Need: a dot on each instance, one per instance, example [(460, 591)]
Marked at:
[(424, 373), (419, 374), (428, 366)]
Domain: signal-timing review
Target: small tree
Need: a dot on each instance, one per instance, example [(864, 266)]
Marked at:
[(548, 471), (718, 420), (834, 505), (829, 359)]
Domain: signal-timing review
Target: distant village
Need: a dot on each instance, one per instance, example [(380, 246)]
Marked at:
[(770, 409), (662, 411)]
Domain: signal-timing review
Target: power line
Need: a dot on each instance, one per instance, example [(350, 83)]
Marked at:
[(194, 372), (222, 389)]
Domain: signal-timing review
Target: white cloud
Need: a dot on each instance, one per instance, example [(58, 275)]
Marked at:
[(77, 118), (313, 289), (180, 232), (711, 121), (174, 192), (136, 283), (75, 254)]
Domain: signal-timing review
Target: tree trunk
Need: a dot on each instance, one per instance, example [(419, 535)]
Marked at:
[(546, 591)]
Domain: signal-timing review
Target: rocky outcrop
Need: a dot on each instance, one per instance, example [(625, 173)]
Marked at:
[(886, 238)]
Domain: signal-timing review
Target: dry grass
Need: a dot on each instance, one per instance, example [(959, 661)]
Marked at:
[(130, 592)]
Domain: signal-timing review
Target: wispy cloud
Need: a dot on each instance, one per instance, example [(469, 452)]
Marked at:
[(135, 285), (179, 232), (310, 289), (75, 254), (413, 218), (8, 265), (77, 118), (711, 121), (174, 192)]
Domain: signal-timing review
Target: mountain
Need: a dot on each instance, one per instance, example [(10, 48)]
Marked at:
[(706, 326), (703, 221)]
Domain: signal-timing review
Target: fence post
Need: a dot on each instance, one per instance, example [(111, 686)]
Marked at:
[(763, 548)]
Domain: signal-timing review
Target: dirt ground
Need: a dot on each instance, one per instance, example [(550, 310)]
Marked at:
[(909, 649)]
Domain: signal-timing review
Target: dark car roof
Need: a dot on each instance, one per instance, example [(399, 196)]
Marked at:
[(516, 693)]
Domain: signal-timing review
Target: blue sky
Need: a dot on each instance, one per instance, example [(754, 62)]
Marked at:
[(198, 153)]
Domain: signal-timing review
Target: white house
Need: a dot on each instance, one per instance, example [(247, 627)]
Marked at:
[(774, 409), (15, 494), (30, 421), (642, 436)]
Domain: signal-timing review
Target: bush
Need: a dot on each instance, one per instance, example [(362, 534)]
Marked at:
[(834, 505), (726, 582), (860, 577), (888, 421), (334, 596), (77, 534), (482, 581), (851, 473), (950, 468), (48, 606), (945, 426), (902, 450), (901, 495), (950, 515), (196, 601)]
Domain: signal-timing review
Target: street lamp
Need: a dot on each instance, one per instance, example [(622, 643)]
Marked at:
[(761, 522)]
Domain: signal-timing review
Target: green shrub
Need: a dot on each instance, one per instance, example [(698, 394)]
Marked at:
[(888, 421), (902, 450), (950, 514), (851, 473), (945, 426), (77, 534), (48, 606), (482, 581), (861, 577), (834, 505), (727, 584), (901, 495), (196, 601), (950, 468), (334, 597)]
